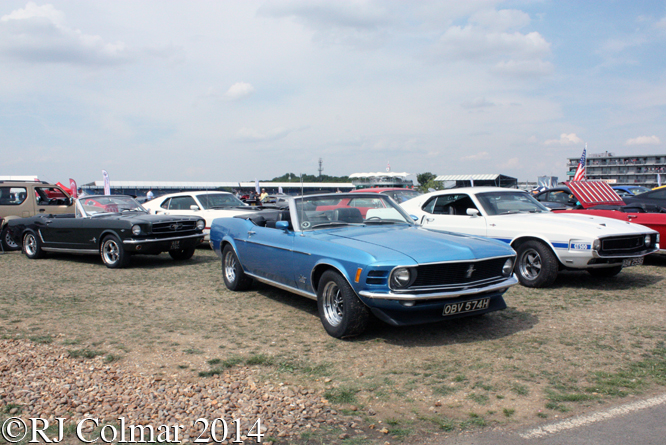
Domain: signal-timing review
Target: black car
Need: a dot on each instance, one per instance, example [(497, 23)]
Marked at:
[(114, 227), (557, 198), (655, 198)]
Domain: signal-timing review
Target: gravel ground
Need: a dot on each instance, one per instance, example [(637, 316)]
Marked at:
[(45, 382)]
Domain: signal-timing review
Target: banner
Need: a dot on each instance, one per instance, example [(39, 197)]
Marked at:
[(256, 186), (280, 190), (658, 179), (107, 185), (72, 187)]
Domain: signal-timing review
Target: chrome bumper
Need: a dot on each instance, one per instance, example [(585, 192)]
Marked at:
[(512, 280), (159, 240)]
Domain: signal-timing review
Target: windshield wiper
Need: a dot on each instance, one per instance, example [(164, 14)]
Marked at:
[(385, 221)]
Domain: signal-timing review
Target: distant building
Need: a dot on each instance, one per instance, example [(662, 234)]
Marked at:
[(381, 179), (622, 170), (140, 188), (494, 180)]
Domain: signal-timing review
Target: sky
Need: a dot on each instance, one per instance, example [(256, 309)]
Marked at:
[(244, 90)]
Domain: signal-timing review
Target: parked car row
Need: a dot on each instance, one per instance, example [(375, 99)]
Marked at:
[(431, 257)]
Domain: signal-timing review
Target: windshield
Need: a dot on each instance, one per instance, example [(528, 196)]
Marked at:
[(502, 203), (98, 205), (218, 200), (343, 209), (638, 190), (401, 196)]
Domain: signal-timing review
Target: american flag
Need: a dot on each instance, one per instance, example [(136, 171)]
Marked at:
[(580, 171)]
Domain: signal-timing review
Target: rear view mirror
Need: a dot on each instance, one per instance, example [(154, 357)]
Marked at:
[(284, 225), (194, 207), (472, 212)]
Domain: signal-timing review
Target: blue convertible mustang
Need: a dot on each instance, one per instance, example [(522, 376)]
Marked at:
[(358, 254)]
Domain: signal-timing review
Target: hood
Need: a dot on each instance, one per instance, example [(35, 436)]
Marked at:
[(572, 224), (136, 217), (419, 244)]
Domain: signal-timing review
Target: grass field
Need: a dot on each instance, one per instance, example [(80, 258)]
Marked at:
[(582, 344)]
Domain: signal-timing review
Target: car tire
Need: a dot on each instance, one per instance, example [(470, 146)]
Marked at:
[(340, 310), (232, 271), (8, 243), (182, 254), (113, 253), (536, 265), (32, 246), (605, 272)]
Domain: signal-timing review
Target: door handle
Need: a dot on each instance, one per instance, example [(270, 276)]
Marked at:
[(251, 232), (430, 219)]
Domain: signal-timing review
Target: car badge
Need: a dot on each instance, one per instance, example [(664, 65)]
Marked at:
[(470, 271), (94, 240), (302, 279), (176, 226)]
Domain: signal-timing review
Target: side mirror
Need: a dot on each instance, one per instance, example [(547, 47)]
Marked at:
[(194, 207), (283, 225), (472, 212), (414, 217)]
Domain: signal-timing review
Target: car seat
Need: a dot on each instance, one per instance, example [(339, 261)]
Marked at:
[(349, 215)]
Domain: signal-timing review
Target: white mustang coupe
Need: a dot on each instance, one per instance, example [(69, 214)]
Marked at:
[(545, 242)]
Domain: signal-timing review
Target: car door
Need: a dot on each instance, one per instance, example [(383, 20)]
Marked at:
[(449, 212), (52, 200), (268, 254)]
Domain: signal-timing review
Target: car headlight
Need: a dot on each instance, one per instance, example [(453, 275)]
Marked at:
[(402, 277), (648, 240), (201, 224), (508, 267), (596, 245), (136, 229)]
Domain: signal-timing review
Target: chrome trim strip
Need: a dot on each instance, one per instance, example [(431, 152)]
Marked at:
[(449, 286), (283, 286), (439, 295), (134, 241), (595, 254), (58, 249)]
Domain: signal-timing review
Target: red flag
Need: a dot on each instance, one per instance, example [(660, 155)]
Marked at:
[(72, 187)]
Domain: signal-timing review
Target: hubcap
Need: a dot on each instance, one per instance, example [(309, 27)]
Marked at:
[(30, 244), (230, 267), (111, 252), (10, 242), (333, 305), (530, 264)]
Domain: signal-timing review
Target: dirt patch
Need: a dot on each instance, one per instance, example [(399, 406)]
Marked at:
[(553, 353)]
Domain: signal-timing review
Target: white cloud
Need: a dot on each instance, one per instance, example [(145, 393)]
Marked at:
[(661, 24), (478, 102), (246, 134), (565, 139), (524, 68), (502, 20), (238, 91), (39, 34), (511, 163), (643, 140), (476, 157)]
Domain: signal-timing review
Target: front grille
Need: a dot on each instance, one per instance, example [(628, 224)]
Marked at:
[(467, 274), (174, 227), (622, 245)]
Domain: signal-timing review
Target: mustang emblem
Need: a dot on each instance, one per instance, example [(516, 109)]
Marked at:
[(470, 271), (302, 279), (176, 226)]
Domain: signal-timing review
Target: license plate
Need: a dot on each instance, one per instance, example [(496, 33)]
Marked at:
[(175, 245), (466, 306), (632, 262)]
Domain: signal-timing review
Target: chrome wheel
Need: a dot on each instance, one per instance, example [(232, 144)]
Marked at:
[(110, 251), (333, 304), (230, 266), (30, 244), (530, 264)]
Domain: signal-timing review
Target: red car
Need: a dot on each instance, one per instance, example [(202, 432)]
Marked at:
[(599, 199)]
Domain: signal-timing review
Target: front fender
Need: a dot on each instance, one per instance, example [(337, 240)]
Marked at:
[(324, 264)]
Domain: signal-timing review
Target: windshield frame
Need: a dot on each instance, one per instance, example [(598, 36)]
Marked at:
[(296, 209), (80, 208), (483, 200)]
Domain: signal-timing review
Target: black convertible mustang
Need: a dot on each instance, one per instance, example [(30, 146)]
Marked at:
[(113, 226)]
